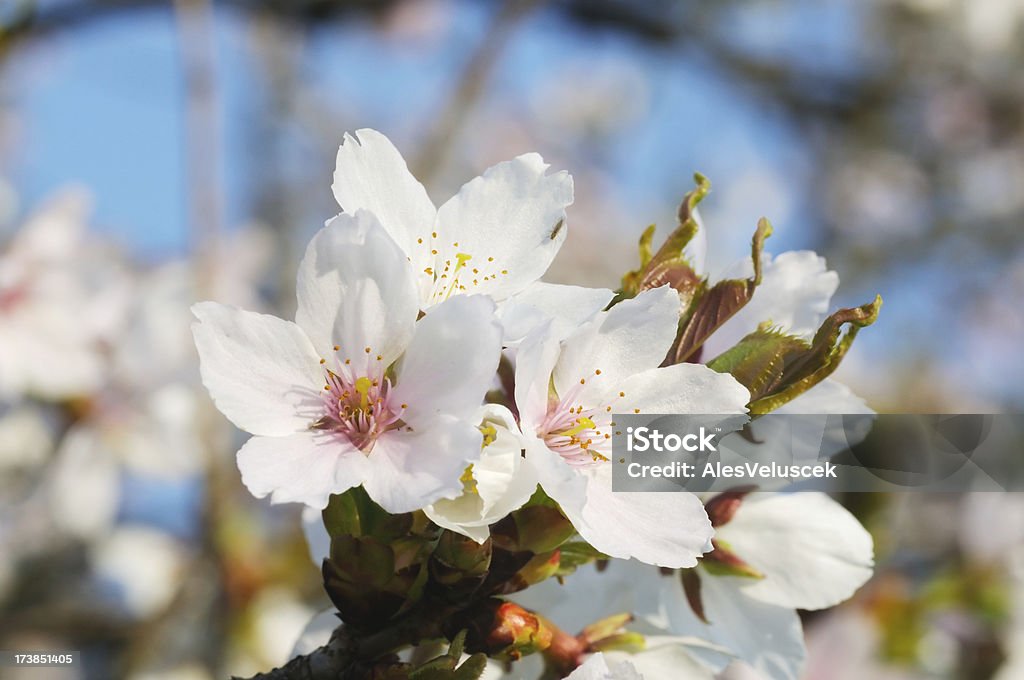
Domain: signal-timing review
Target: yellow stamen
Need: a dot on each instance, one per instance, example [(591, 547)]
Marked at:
[(468, 483), (581, 425), (490, 433)]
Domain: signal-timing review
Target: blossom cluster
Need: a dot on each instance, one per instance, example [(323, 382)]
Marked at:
[(428, 367)]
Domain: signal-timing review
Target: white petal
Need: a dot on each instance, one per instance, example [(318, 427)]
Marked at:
[(683, 388), (411, 470), (632, 336), (356, 290), (596, 667), (663, 661), (794, 294), (450, 361), (589, 595), (810, 436), (261, 371), (460, 515), (664, 529), (813, 552), (535, 360), (503, 482), (768, 637), (372, 175), (621, 586), (510, 213), (306, 467), (566, 306)]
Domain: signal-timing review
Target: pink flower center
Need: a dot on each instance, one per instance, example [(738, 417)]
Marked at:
[(360, 408), (581, 434)]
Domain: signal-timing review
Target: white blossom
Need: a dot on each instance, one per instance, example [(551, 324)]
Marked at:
[(496, 236), (567, 393), (494, 486), (356, 391)]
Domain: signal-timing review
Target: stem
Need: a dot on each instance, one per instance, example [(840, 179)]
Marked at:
[(348, 656)]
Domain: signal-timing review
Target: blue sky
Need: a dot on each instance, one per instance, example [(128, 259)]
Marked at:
[(103, 106)]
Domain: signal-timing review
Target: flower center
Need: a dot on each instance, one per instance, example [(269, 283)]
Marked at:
[(581, 434), (453, 273), (360, 408)]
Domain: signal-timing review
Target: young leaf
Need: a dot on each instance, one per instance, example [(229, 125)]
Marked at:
[(669, 265), (712, 307)]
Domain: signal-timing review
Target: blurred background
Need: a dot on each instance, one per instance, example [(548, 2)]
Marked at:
[(156, 152)]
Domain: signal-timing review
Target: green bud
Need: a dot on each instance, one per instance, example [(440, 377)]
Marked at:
[(539, 568), (354, 513), (457, 558), (626, 641), (606, 627), (534, 528), (516, 632)]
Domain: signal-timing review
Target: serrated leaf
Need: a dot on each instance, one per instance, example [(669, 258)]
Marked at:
[(826, 352), (759, 360), (777, 367), (712, 307), (472, 668), (828, 347)]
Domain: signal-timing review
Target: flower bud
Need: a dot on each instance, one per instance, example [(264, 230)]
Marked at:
[(504, 630), (457, 558), (539, 568), (517, 632), (534, 528)]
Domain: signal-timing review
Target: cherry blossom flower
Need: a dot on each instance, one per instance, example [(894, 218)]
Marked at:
[(356, 390), (494, 486), (808, 553), (567, 393), (496, 236)]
